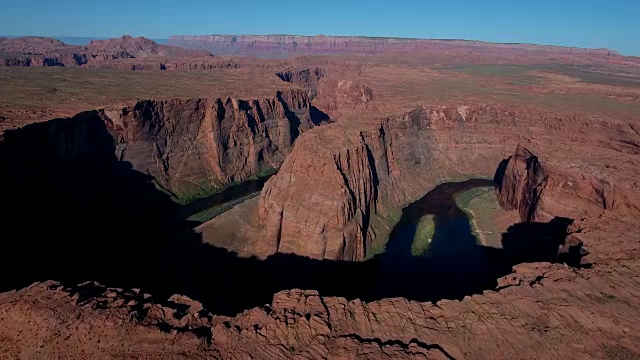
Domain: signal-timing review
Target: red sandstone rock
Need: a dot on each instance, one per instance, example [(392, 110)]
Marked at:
[(546, 312), (195, 146), (541, 310), (522, 184), (341, 186), (336, 96), (336, 194)]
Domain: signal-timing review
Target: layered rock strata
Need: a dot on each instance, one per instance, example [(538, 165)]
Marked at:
[(342, 186), (193, 146), (275, 45)]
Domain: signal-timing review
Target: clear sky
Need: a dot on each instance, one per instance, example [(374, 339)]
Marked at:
[(613, 24)]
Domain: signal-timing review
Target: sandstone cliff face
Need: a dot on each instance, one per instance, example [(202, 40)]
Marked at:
[(541, 306), (406, 157), (522, 184), (192, 147), (140, 47), (195, 146), (540, 192), (320, 206), (341, 187), (356, 44), (335, 96)]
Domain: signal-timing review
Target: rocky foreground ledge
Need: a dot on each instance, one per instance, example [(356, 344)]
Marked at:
[(541, 311)]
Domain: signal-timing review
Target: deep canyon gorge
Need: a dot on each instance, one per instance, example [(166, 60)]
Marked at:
[(349, 213)]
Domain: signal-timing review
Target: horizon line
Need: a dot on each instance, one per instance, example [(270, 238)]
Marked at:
[(339, 36)]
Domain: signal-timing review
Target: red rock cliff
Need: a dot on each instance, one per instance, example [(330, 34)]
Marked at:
[(541, 191), (197, 145), (336, 195), (520, 183)]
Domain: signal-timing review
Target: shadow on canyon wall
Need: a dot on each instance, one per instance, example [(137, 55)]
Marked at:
[(74, 212), (227, 284)]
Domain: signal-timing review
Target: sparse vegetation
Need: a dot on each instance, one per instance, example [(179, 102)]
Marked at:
[(619, 352), (493, 70), (383, 228), (210, 213), (201, 191), (85, 89), (424, 234), (266, 171), (481, 205)]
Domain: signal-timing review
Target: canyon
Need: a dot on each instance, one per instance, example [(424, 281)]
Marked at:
[(139, 225)]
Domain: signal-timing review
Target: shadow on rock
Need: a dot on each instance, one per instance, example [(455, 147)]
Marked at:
[(227, 284), (75, 213)]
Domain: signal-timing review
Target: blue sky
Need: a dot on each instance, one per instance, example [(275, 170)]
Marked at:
[(612, 24)]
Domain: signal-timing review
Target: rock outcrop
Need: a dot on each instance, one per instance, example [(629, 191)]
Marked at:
[(541, 306), (336, 96), (140, 47), (37, 51), (199, 145), (540, 192), (323, 196), (342, 188), (193, 147), (520, 183), (343, 185), (305, 77)]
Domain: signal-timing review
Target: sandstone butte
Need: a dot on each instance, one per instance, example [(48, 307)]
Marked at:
[(126, 53), (340, 185)]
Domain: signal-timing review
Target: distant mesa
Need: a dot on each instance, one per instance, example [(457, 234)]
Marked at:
[(266, 45), (40, 51)]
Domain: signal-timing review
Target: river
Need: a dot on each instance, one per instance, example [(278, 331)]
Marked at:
[(452, 265)]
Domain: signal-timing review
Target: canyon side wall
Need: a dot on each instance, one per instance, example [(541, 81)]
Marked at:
[(200, 145), (92, 179), (342, 188), (340, 191), (190, 147)]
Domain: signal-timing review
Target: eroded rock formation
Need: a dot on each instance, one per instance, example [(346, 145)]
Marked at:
[(140, 47), (192, 147), (373, 167), (520, 183), (38, 51), (341, 188), (541, 307), (346, 211), (541, 192), (346, 95), (195, 146), (323, 196), (306, 77)]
